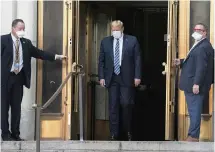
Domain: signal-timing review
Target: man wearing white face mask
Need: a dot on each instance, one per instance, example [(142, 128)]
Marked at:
[(196, 77), (16, 53), (120, 72)]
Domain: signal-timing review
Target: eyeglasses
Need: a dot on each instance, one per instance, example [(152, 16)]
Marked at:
[(198, 30)]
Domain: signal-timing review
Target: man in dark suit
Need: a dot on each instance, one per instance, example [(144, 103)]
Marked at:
[(196, 77), (120, 71), (16, 53)]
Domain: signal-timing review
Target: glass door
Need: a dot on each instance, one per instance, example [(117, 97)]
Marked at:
[(170, 71)]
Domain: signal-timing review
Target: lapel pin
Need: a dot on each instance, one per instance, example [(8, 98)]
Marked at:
[(22, 40)]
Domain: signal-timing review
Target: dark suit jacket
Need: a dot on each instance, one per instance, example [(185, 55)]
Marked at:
[(198, 68), (131, 60), (28, 51)]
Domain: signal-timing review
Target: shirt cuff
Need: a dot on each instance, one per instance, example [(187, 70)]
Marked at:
[(55, 57)]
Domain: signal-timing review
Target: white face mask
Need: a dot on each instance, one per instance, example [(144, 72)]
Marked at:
[(197, 36), (116, 34), (20, 34)]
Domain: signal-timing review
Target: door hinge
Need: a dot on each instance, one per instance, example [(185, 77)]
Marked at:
[(68, 4), (65, 102), (171, 103), (70, 41), (168, 40), (172, 106), (175, 2)]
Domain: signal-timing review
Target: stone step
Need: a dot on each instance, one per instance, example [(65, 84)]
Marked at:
[(93, 151), (108, 146)]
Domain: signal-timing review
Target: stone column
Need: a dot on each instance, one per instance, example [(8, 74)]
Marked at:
[(27, 10), (8, 13)]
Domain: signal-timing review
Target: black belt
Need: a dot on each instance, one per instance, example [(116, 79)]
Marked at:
[(116, 75), (14, 74)]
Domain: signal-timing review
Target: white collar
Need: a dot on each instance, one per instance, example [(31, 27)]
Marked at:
[(14, 38), (120, 37), (199, 41)]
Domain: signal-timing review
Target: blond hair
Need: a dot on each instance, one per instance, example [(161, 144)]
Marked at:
[(117, 23)]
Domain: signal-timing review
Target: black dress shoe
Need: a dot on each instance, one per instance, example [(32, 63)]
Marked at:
[(129, 136), (7, 137), (17, 138), (113, 138)]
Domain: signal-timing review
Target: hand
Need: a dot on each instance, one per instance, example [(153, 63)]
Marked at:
[(137, 82), (196, 89), (102, 82), (60, 57), (176, 62)]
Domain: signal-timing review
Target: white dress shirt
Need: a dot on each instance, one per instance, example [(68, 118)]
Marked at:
[(14, 54), (120, 48)]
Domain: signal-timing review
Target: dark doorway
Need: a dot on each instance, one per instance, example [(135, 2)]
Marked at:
[(149, 25), (148, 22)]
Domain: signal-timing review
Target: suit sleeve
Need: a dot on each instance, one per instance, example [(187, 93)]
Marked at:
[(201, 66), (39, 54), (137, 60), (2, 45), (101, 62)]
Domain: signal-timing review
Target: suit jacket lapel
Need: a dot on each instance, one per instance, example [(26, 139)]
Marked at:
[(192, 49), (10, 49), (24, 48), (111, 48), (10, 42), (125, 44)]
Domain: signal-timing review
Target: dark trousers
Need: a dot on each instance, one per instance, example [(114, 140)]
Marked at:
[(120, 97), (194, 105), (11, 96)]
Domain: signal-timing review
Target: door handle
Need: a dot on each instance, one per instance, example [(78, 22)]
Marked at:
[(76, 67), (52, 82), (165, 68)]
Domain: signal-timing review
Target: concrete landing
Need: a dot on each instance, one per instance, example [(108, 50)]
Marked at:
[(108, 146)]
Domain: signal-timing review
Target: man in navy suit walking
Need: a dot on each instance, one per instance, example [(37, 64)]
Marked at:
[(120, 72), (196, 77)]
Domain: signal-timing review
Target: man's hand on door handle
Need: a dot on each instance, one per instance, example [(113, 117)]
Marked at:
[(60, 57), (176, 62)]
